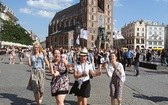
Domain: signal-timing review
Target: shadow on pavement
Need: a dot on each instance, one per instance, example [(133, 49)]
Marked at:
[(16, 63), (68, 102), (15, 99), (133, 75), (152, 98), (129, 70), (28, 70), (5, 62), (158, 72)]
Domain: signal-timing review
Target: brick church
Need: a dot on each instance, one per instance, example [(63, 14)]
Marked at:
[(95, 16)]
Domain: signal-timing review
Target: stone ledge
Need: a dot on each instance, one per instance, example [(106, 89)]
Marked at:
[(151, 65)]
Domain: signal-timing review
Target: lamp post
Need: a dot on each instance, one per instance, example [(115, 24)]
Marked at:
[(100, 38), (0, 34)]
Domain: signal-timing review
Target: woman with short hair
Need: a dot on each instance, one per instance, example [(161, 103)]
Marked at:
[(116, 72)]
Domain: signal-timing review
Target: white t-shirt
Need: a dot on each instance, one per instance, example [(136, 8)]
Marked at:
[(83, 67)]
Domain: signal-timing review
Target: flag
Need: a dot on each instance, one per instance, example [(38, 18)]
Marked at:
[(120, 36), (77, 40), (117, 35), (83, 34)]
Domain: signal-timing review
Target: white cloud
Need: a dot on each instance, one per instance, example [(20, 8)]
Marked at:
[(114, 23), (49, 4), (45, 8), (162, 0), (25, 10), (118, 3), (45, 14)]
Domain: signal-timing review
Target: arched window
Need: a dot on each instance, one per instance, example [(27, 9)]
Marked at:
[(92, 38)]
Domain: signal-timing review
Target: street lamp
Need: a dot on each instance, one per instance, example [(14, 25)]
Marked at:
[(0, 35), (100, 38)]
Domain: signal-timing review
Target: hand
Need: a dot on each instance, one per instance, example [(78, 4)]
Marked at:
[(27, 55), (56, 73), (105, 65), (44, 53), (98, 73), (84, 74), (64, 60)]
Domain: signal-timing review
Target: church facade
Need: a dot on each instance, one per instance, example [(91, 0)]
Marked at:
[(95, 16)]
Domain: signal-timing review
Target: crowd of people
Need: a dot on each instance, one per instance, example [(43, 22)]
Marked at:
[(85, 64), (14, 53)]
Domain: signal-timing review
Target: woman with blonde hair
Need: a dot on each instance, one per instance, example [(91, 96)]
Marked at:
[(116, 73), (37, 61)]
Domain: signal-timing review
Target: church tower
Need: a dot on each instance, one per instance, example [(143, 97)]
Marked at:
[(96, 17)]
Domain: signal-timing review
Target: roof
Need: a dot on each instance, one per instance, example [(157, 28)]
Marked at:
[(64, 30), (67, 12)]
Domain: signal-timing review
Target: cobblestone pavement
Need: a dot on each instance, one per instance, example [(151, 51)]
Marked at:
[(151, 88)]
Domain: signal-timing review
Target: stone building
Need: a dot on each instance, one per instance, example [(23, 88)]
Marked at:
[(95, 16), (134, 34), (166, 37), (155, 35), (143, 34), (6, 13)]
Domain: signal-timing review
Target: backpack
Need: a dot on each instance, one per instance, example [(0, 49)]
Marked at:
[(130, 54)]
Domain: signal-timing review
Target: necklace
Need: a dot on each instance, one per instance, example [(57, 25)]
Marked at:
[(83, 66)]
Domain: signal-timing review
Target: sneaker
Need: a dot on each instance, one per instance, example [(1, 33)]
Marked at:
[(137, 75), (135, 71), (41, 99)]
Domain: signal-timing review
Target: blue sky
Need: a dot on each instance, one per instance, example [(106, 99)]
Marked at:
[(126, 11), (35, 15)]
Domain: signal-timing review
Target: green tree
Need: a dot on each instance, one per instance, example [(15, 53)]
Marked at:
[(15, 33)]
